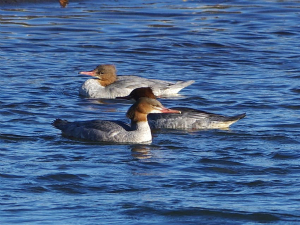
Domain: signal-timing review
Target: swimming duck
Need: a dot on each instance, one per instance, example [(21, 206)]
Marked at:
[(188, 119), (106, 84), (116, 131)]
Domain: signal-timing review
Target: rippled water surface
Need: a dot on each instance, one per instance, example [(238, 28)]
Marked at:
[(244, 56)]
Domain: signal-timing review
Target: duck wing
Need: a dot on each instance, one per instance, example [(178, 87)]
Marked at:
[(94, 130)]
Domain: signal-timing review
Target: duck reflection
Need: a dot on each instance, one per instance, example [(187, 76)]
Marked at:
[(141, 152)]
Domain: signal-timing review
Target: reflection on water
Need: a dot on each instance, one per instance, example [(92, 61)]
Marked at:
[(141, 152)]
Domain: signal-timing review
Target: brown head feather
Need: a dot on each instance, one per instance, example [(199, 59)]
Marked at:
[(139, 110), (142, 92), (107, 74)]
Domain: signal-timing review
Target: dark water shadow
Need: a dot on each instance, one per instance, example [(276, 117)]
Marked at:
[(63, 3)]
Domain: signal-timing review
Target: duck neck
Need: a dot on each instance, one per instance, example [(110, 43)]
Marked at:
[(107, 79), (141, 130), (139, 121), (141, 125)]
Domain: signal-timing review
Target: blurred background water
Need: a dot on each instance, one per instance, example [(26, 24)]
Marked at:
[(244, 56)]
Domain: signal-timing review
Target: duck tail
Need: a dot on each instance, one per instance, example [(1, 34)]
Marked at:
[(184, 84), (236, 118), (232, 119), (178, 86)]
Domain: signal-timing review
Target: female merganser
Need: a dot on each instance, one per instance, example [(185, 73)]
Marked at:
[(109, 85), (188, 119), (116, 131)]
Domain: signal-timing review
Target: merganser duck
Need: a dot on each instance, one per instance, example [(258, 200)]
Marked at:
[(108, 85), (116, 131), (188, 119)]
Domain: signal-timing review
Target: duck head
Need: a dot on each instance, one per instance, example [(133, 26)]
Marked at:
[(107, 74)]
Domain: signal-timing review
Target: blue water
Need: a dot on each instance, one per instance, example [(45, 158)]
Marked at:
[(244, 56)]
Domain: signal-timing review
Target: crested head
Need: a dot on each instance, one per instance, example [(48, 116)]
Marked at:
[(142, 92), (106, 73), (138, 111), (105, 69)]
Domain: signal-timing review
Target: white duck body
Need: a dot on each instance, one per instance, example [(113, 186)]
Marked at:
[(109, 85), (116, 131)]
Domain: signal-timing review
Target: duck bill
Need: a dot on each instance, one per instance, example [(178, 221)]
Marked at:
[(90, 73), (166, 110)]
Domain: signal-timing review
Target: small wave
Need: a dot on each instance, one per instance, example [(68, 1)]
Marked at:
[(60, 177), (14, 137), (223, 213), (205, 214)]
